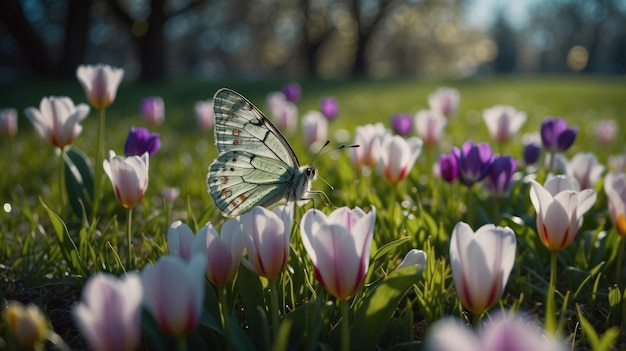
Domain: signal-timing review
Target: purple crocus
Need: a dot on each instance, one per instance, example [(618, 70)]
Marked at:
[(449, 168), (402, 123), (473, 161), (292, 91), (500, 174), (329, 107), (556, 136), (140, 140), (531, 153)]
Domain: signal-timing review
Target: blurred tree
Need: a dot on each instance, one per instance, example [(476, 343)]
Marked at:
[(506, 42)]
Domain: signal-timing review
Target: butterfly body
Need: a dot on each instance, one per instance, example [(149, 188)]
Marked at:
[(255, 166)]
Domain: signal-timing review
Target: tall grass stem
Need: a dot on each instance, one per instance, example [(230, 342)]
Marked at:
[(550, 317), (97, 181)]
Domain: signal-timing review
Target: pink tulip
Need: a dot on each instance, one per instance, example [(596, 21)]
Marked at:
[(503, 122), (8, 122), (266, 236), (445, 101), (100, 83), (369, 138), (339, 246), (615, 188), (174, 292), (109, 312), (223, 251), (129, 177), (481, 263), (502, 332), (585, 168), (397, 157), (315, 127), (606, 131), (58, 120), (429, 125), (180, 240), (205, 114), (153, 110), (560, 207)]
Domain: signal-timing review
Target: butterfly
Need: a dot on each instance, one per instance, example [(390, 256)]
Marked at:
[(256, 166)]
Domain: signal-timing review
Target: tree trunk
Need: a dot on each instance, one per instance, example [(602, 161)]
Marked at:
[(33, 49), (76, 32), (152, 45)]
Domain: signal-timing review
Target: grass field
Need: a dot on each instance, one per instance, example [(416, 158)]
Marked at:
[(420, 212)]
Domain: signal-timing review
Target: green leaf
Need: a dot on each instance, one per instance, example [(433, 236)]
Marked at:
[(252, 297), (306, 323), (372, 318), (151, 331), (78, 180), (66, 244), (615, 296), (598, 343)]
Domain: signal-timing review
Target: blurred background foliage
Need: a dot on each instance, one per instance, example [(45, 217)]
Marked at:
[(157, 39)]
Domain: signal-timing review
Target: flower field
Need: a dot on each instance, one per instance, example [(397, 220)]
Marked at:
[(474, 214)]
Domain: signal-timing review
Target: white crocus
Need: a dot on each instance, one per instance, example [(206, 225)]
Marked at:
[(397, 157), (585, 168), (503, 122), (429, 125)]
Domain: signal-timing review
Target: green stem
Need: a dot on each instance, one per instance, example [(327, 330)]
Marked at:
[(225, 316), (478, 317), (550, 317), (61, 180), (181, 343), (274, 314), (129, 239), (470, 205), (620, 259), (345, 325), (97, 181)]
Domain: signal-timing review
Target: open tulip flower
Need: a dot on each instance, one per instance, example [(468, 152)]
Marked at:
[(473, 161), (266, 236), (174, 292), (100, 83), (369, 137), (129, 176), (501, 333), (429, 125), (109, 313), (58, 120), (339, 246), (445, 101), (481, 263), (397, 157), (615, 188), (314, 127), (560, 207), (556, 136), (585, 168), (223, 251), (140, 140), (503, 122)]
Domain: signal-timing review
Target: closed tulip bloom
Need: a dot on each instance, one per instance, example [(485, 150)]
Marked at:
[(58, 120), (223, 251), (615, 188), (556, 136), (109, 313), (129, 177), (501, 332), (180, 240), (292, 91), (286, 117), (481, 263), (402, 123), (275, 101), (429, 125), (500, 175), (8, 122), (266, 236), (100, 83), (444, 101), (397, 157), (414, 257), (585, 168), (205, 114), (315, 127), (153, 109), (503, 122), (174, 292), (448, 168), (140, 140), (329, 107), (26, 324), (473, 161), (339, 246), (369, 138), (560, 206)]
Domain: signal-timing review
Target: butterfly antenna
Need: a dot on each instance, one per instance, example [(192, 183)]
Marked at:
[(341, 147)]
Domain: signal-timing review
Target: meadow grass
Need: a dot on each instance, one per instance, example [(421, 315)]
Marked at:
[(418, 213)]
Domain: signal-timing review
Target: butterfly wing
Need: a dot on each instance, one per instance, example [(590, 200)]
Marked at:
[(256, 166)]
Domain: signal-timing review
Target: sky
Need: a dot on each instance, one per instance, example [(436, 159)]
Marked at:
[(481, 13)]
